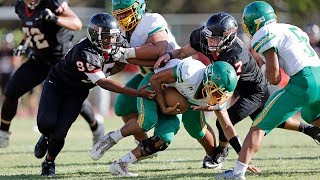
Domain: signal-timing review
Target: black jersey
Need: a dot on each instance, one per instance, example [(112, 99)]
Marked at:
[(251, 77), (46, 39), (81, 61)]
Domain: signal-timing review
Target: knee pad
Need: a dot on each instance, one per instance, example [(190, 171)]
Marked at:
[(147, 147)]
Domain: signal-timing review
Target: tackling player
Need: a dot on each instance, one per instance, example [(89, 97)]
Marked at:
[(86, 65), (285, 46), (48, 26), (218, 40)]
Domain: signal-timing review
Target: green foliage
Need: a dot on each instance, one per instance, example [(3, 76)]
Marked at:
[(283, 155)]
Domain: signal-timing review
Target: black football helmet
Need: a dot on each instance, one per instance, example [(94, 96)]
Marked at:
[(222, 26), (103, 32)]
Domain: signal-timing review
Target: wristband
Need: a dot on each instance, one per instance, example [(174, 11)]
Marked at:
[(130, 53), (170, 54)]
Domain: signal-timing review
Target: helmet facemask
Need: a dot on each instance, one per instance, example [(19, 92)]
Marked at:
[(104, 41), (129, 17), (214, 94), (32, 4), (224, 41)]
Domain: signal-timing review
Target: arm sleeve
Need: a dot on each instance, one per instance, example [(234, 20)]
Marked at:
[(158, 24), (264, 40)]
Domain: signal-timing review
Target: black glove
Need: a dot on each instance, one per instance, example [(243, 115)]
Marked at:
[(49, 16)]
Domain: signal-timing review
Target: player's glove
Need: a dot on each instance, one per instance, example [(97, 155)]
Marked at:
[(20, 49), (49, 16), (121, 54)]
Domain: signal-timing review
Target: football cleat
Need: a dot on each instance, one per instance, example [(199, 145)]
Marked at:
[(48, 169), (230, 175), (4, 139), (98, 133), (316, 134), (103, 144), (209, 163), (40, 149), (120, 168), (148, 157), (215, 161)]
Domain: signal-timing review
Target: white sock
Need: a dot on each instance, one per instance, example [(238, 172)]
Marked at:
[(240, 168), (116, 136), (128, 158)]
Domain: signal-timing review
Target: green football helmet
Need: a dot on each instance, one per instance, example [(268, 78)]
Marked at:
[(256, 15), (128, 12), (220, 80)]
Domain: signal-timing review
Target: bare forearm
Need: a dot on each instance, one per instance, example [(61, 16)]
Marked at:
[(71, 23), (183, 52), (116, 87), (159, 93), (142, 62), (151, 50)]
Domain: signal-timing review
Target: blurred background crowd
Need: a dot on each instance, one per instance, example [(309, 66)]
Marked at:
[(183, 17)]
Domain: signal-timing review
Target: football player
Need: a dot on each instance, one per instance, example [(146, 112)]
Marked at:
[(86, 65), (285, 46), (218, 40), (201, 85), (48, 27)]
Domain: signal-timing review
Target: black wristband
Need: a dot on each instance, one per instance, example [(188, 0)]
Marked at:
[(235, 143), (170, 54)]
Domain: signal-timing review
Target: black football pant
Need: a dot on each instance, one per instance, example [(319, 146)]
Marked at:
[(57, 111), (246, 105), (30, 74)]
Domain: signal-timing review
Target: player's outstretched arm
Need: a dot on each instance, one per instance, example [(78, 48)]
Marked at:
[(181, 53), (156, 81), (119, 88)]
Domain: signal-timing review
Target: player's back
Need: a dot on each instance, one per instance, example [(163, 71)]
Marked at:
[(290, 43)]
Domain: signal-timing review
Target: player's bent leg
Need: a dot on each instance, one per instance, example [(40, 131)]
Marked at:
[(96, 126), (130, 103), (41, 148)]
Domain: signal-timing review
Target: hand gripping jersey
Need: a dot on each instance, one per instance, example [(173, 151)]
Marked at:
[(290, 43), (189, 74), (251, 78), (81, 68), (46, 39), (147, 26)]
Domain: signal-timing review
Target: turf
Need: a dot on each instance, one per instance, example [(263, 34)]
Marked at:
[(284, 155)]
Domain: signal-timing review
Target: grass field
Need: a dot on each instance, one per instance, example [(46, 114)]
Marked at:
[(284, 155)]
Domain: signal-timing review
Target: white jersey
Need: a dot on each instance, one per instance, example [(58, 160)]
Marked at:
[(290, 43), (147, 26), (189, 75)]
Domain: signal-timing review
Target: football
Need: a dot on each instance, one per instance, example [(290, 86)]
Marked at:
[(172, 97)]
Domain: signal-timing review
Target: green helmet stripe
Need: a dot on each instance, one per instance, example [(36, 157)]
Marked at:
[(263, 41)]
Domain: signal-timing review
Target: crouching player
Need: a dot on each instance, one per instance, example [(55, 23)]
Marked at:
[(208, 88)]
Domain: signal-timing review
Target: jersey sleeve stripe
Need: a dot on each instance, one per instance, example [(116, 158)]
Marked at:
[(94, 77), (156, 30), (263, 41)]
